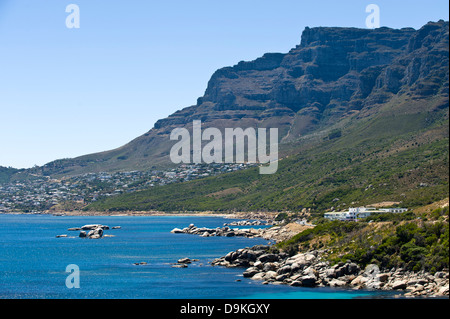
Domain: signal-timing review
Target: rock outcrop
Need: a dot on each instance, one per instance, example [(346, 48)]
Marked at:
[(276, 233), (96, 231), (246, 223), (94, 227), (219, 231), (309, 270)]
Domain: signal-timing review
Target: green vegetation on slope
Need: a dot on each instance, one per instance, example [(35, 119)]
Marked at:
[(402, 158), (411, 241)]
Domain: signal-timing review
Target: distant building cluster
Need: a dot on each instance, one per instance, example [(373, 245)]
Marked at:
[(40, 193), (355, 214)]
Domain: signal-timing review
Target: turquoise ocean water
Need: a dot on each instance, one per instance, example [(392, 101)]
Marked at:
[(33, 261)]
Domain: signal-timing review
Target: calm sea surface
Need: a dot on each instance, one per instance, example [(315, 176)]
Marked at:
[(33, 261)]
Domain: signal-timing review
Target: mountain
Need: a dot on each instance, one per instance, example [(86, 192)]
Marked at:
[(333, 76), (362, 114)]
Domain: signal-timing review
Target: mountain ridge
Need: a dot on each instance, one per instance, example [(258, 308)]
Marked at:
[(378, 133), (332, 76)]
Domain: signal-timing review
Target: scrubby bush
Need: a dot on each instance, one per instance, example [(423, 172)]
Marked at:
[(412, 244)]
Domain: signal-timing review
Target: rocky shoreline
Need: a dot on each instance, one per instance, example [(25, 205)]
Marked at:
[(249, 223), (309, 269), (275, 233), (224, 231)]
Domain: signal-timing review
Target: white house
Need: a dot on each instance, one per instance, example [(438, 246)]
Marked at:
[(355, 213), (394, 210)]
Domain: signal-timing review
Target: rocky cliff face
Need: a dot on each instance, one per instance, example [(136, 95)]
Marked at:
[(334, 73)]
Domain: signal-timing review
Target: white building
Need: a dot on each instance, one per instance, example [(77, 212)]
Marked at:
[(394, 210), (354, 214)]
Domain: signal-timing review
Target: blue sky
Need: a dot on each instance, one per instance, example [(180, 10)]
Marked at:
[(69, 92)]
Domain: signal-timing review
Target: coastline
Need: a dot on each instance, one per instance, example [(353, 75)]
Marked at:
[(128, 214), (235, 215), (306, 269), (310, 269)]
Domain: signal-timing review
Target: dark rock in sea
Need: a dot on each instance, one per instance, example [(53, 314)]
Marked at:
[(308, 281), (184, 261), (94, 226), (96, 233)]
